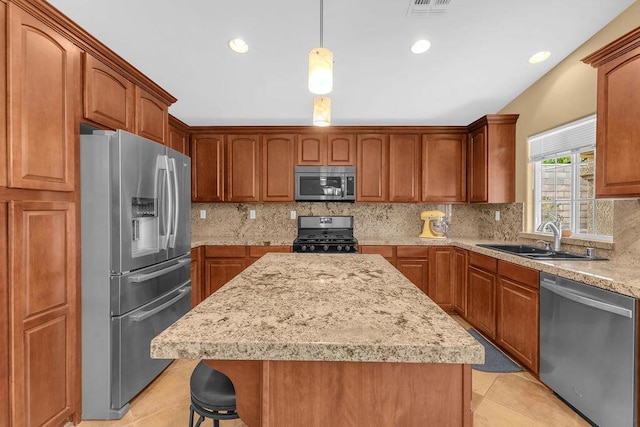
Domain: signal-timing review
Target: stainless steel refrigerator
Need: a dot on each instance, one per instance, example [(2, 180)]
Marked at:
[(136, 242)]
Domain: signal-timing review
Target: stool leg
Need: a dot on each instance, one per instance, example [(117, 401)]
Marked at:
[(200, 420), (190, 415), (216, 423)]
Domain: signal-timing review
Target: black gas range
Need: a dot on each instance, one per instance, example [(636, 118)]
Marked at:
[(325, 234)]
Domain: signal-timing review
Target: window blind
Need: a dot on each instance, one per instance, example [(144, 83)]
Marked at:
[(572, 137)]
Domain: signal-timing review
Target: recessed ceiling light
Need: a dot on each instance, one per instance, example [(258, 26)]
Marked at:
[(238, 46), (539, 57), (420, 46)]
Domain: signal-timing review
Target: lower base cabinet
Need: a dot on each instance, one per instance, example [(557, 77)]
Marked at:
[(518, 313), (220, 264), (413, 263), (4, 319), (481, 293), (460, 281)]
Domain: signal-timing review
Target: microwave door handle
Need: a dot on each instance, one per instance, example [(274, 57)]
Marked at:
[(175, 204), (343, 184)]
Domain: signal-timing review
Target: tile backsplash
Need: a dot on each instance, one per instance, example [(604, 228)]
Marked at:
[(371, 219)]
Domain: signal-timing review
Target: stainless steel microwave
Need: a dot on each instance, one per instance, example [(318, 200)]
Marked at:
[(326, 183)]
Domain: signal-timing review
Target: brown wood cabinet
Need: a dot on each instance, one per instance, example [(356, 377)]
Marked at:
[(109, 98), (44, 103), (43, 312), (481, 293), (491, 162), (312, 150), (178, 138), (413, 263), (404, 168), (207, 168), (152, 116), (278, 163), (221, 264), (319, 149), (441, 276), (460, 281), (4, 314), (243, 168), (341, 149), (197, 284), (372, 173), (618, 128), (3, 96), (518, 312), (444, 167)]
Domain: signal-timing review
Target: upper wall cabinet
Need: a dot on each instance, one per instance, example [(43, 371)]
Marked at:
[(404, 168), (278, 163), (178, 137), (207, 168), (243, 168), (109, 98), (444, 167), (372, 173), (492, 159), (618, 127), (152, 116), (44, 101), (326, 150)]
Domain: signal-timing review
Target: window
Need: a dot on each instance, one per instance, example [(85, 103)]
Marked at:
[(564, 180)]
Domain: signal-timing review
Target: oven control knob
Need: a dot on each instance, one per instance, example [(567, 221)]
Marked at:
[(304, 248), (339, 248), (325, 247), (312, 248), (347, 248)]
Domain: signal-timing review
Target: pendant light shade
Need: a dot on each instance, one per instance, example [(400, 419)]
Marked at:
[(321, 64), (322, 111), (320, 71)]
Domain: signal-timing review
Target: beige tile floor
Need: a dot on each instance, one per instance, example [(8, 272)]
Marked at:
[(508, 400)]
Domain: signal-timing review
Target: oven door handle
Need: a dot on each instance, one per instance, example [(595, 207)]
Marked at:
[(146, 314)]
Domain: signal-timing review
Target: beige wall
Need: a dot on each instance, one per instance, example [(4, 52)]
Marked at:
[(566, 93)]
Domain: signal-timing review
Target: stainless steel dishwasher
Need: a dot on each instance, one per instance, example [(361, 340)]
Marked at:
[(588, 349)]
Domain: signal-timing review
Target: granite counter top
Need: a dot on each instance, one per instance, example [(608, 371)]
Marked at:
[(319, 308), (616, 277)]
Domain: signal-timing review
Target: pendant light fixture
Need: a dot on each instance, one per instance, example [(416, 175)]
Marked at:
[(320, 65), (322, 111)]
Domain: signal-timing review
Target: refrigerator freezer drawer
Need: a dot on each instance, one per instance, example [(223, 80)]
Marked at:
[(135, 289), (132, 367)]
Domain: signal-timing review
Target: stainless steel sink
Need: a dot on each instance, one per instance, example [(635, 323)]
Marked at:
[(535, 252)]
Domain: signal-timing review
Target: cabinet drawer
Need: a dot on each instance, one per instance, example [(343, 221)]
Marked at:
[(483, 261), (258, 251), (523, 275), (385, 251), (225, 251), (412, 251)]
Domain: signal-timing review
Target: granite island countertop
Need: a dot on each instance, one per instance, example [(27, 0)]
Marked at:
[(307, 307)]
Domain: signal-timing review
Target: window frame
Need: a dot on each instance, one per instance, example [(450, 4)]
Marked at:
[(575, 198)]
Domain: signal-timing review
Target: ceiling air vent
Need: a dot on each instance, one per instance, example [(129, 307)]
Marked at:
[(427, 8)]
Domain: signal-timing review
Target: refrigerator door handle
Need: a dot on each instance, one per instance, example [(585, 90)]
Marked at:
[(137, 278), (175, 204), (146, 314), (165, 196)]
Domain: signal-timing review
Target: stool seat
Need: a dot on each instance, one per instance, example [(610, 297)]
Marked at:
[(212, 395)]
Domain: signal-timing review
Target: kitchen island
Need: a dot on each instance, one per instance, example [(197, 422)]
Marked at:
[(330, 340)]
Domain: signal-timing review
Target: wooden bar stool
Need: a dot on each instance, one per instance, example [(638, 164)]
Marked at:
[(212, 396)]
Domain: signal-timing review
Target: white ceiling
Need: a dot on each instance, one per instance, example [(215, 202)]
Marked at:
[(477, 63)]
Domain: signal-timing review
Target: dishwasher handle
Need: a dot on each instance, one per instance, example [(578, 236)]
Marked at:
[(552, 287)]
